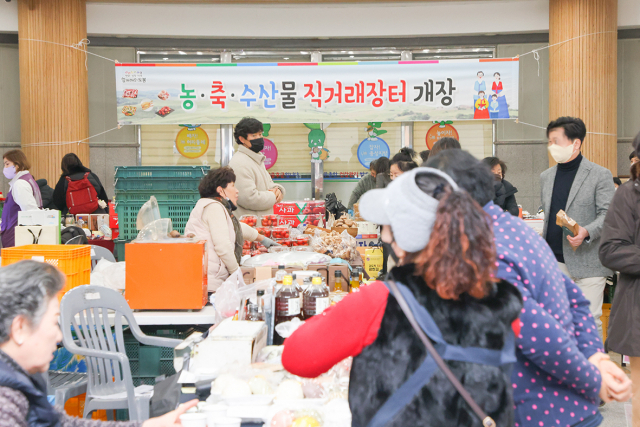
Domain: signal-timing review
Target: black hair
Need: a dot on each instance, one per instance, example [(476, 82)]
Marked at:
[(404, 160), (632, 155), (372, 165), (424, 155), (503, 165), (381, 165), (574, 127), (491, 162), (245, 127), (468, 172), (70, 163), (480, 72), (496, 73), (446, 143), (494, 95), (617, 181), (220, 177)]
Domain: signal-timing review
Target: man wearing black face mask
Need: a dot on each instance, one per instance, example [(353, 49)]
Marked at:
[(258, 193)]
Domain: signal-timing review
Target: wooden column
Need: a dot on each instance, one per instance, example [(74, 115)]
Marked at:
[(54, 103), (583, 72)]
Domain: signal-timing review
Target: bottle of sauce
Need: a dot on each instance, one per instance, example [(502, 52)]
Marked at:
[(288, 306), (355, 281), (338, 281), (316, 298), (280, 276), (260, 303)]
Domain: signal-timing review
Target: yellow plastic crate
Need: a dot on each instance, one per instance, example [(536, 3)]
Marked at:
[(73, 260)]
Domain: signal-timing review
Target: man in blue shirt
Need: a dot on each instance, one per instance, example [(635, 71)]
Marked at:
[(557, 379)]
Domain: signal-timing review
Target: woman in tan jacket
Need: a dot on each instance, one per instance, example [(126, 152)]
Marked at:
[(258, 193), (213, 220)]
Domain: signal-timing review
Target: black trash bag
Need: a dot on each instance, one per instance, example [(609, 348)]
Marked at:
[(334, 206), (166, 396)]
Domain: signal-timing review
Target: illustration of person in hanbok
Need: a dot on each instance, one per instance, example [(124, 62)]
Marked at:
[(497, 89), (494, 107), (479, 86), (481, 107)]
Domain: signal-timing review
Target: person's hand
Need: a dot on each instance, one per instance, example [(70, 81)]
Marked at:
[(617, 382), (267, 242), (577, 240), (172, 419), (278, 194), (596, 359)]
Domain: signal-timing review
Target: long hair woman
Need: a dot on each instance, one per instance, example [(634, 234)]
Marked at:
[(444, 244)]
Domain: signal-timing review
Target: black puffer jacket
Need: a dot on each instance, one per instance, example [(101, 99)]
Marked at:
[(505, 197), (60, 193), (397, 352)]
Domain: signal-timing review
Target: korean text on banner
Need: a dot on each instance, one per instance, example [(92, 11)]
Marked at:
[(480, 89)]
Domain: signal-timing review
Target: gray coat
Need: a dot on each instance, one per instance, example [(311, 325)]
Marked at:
[(620, 251), (588, 202)]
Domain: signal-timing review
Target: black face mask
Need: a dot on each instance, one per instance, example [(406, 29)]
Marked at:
[(232, 206), (257, 145)]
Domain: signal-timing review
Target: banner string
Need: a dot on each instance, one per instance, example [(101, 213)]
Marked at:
[(82, 141), (562, 42), (80, 46), (544, 128)]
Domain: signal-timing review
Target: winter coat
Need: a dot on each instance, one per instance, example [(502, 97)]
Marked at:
[(47, 194), (620, 251), (211, 221), (368, 182), (253, 183), (505, 197), (387, 351), (60, 193)]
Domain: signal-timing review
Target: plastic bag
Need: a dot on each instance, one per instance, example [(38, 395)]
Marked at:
[(109, 274), (226, 300), (335, 244), (285, 329)]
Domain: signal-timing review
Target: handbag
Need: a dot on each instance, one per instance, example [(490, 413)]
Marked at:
[(487, 421)]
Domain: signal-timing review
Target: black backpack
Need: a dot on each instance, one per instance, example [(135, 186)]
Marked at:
[(71, 232)]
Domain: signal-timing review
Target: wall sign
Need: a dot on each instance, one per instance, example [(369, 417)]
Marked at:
[(192, 141), (373, 147), (440, 130), (317, 92), (271, 152)]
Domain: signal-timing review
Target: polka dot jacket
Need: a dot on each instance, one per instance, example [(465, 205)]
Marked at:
[(553, 382)]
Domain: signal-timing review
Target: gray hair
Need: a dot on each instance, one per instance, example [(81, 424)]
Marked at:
[(25, 290)]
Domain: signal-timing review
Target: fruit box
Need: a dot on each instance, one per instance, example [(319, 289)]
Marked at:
[(299, 208), (166, 276), (296, 220)]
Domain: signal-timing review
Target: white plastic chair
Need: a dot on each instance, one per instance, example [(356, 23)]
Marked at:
[(86, 309), (98, 253)]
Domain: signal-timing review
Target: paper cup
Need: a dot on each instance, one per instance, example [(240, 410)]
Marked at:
[(214, 413), (194, 420), (227, 422)]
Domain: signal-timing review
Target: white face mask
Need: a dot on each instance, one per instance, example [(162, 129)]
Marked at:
[(561, 154)]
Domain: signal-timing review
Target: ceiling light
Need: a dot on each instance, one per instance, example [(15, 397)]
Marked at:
[(181, 52), (165, 59), (198, 53), (351, 56), (286, 58)]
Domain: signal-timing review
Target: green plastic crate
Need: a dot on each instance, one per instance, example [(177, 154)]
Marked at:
[(186, 196), (178, 211), (165, 184), (162, 172), (119, 249), (149, 362)]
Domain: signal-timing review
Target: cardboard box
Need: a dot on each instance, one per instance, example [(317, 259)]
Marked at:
[(166, 276), (230, 343), (331, 282), (248, 274), (296, 220), (39, 217), (37, 235), (96, 221)]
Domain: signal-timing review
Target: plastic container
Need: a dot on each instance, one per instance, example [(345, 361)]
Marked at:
[(193, 419), (250, 220), (281, 232), (73, 260), (265, 231), (227, 422), (288, 305), (285, 242), (269, 220), (315, 298), (302, 240)]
